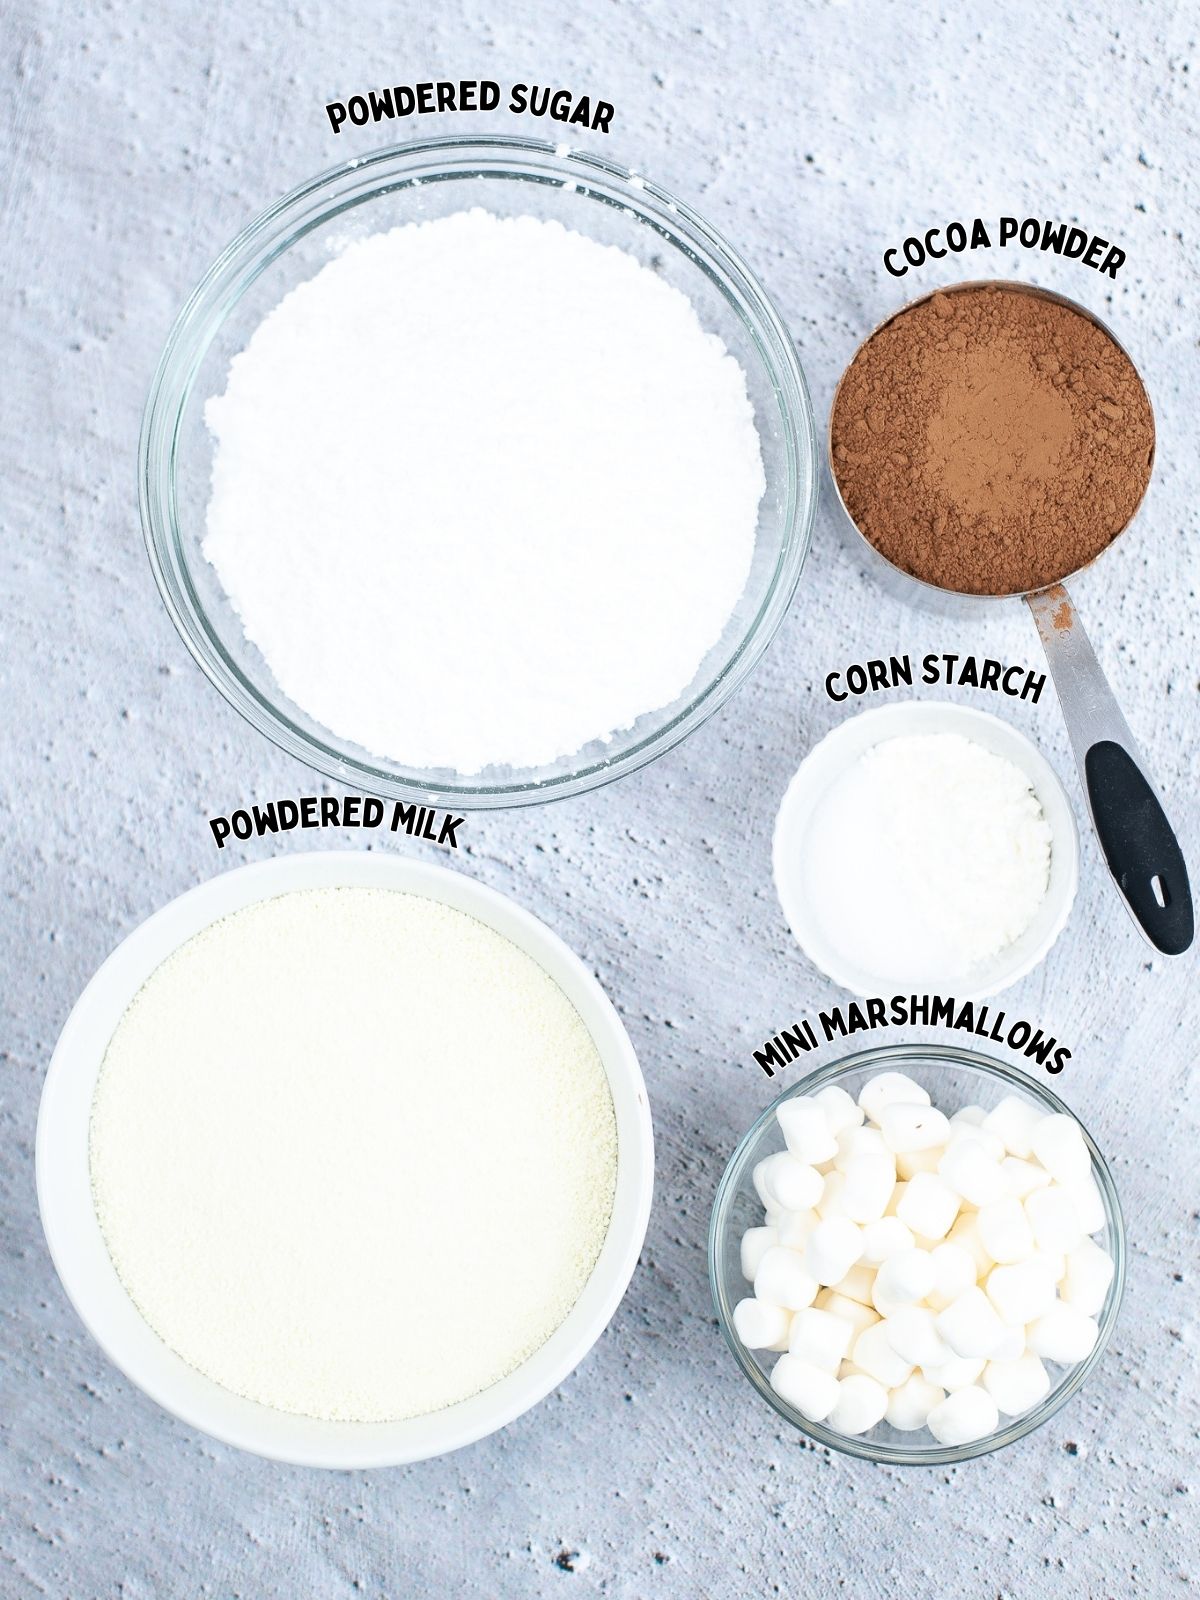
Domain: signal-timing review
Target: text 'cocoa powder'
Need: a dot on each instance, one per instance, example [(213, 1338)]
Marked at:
[(991, 440)]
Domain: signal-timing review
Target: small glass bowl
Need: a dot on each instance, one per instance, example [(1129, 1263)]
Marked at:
[(288, 244), (954, 1078)]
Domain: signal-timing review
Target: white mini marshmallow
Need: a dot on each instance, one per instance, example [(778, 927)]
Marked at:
[(904, 1278), (956, 1374), (964, 1416), (954, 1273), (874, 1355), (883, 1238), (755, 1244), (811, 1390), (1012, 1345), (1017, 1385), (1057, 1142), (1054, 1218), (833, 1247), (1022, 1177), (969, 1168), (793, 1228), (1089, 1273), (858, 1142), (970, 1324), (974, 1115), (898, 1194), (869, 1181), (910, 1162), (1064, 1334), (857, 1316), (1013, 1122), (858, 1284), (1005, 1231), (833, 1196), (783, 1279), (965, 1232), (861, 1403), (806, 1131), (820, 1337), (761, 1325), (841, 1110), (908, 1127), (929, 1206), (890, 1088), (991, 1145), (910, 1403), (788, 1184), (1089, 1207), (912, 1334), (1022, 1292)]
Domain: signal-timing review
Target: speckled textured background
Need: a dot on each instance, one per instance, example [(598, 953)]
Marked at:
[(138, 139)]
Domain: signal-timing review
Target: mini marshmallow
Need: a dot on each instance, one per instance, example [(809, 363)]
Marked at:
[(1013, 1122), (806, 1131), (833, 1196), (883, 1238), (1021, 1177), (912, 1334), (953, 1274), (964, 1416), (1064, 1334), (1089, 1207), (929, 1206), (833, 1247), (761, 1325), (1054, 1219), (955, 1374), (788, 1184), (910, 1162), (965, 1232), (1005, 1231), (898, 1194), (992, 1146), (869, 1180), (967, 1167), (858, 1284), (972, 1115), (755, 1244), (783, 1279), (841, 1110), (1012, 1345), (890, 1088), (908, 1127), (1017, 1385), (1089, 1273), (811, 1390), (858, 1317), (874, 1355), (820, 1338), (861, 1403), (970, 1325), (1057, 1142), (911, 1402), (1022, 1292), (904, 1278), (794, 1227), (858, 1142)]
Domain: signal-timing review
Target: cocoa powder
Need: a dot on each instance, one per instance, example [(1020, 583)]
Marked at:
[(990, 440)]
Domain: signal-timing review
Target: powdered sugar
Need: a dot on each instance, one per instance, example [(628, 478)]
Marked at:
[(484, 491)]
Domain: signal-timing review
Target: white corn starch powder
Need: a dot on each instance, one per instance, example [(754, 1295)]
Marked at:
[(484, 491), (353, 1154)]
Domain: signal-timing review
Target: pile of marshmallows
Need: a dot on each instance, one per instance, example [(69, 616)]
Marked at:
[(921, 1268)]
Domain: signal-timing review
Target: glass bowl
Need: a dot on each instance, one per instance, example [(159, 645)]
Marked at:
[(953, 1078), (288, 244)]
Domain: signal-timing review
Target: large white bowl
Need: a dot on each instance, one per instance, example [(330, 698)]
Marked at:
[(86, 1269), (839, 750)]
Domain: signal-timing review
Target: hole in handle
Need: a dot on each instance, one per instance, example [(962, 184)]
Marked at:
[(1160, 890)]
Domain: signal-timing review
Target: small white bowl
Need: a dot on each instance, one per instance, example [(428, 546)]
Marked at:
[(81, 1257), (838, 751)]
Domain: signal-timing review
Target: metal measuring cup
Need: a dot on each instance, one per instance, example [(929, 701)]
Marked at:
[(1137, 840)]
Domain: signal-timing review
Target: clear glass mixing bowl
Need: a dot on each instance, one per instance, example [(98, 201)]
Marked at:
[(289, 243), (953, 1078)]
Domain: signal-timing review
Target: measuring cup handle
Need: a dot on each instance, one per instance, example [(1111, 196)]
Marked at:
[(1138, 841)]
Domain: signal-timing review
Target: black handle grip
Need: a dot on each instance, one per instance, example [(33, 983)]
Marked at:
[(1140, 847)]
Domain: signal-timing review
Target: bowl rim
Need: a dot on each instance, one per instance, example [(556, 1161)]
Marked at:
[(861, 1446), (355, 182), (841, 745), (80, 1255)]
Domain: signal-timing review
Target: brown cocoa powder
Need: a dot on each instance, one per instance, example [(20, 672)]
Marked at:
[(990, 440)]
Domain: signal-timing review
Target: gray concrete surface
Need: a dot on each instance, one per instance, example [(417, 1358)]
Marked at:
[(138, 139)]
